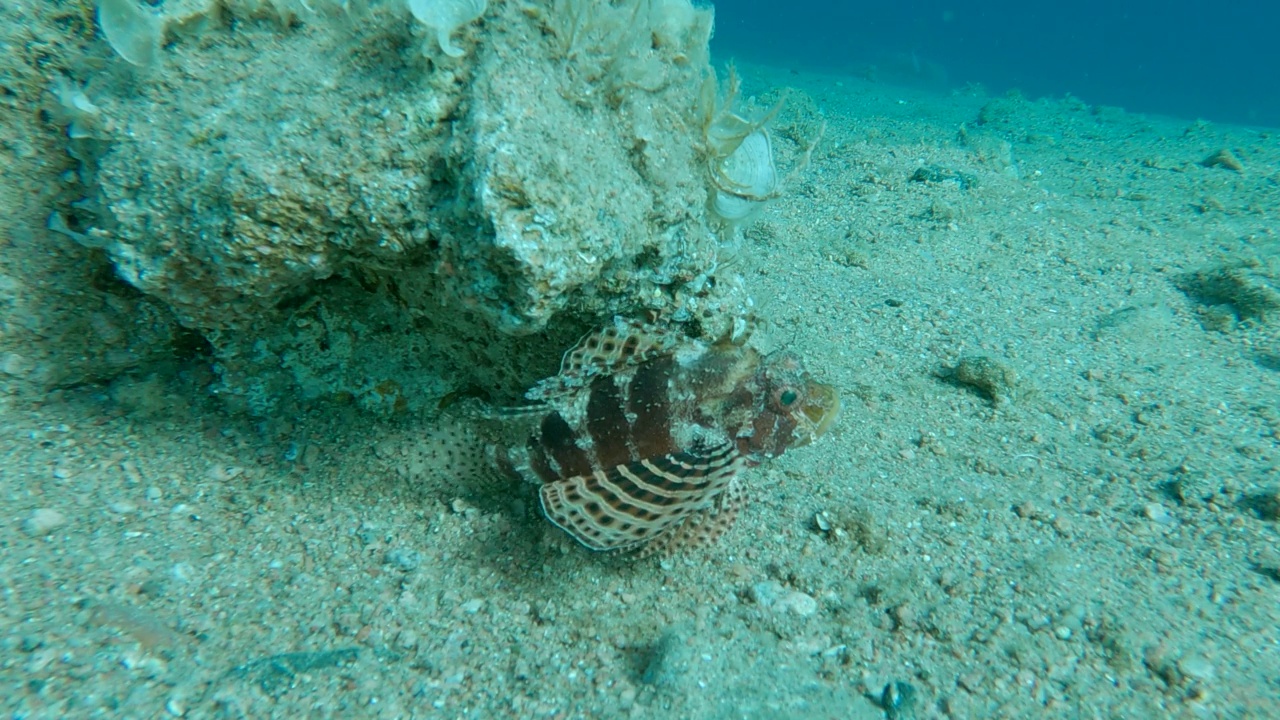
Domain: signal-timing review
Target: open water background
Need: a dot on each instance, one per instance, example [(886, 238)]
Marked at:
[(1218, 61)]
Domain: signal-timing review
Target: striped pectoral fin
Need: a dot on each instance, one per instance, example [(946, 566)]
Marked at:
[(701, 528), (629, 505)]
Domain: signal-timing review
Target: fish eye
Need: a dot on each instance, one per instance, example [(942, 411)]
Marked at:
[(788, 397)]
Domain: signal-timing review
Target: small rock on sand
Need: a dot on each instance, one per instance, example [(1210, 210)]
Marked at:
[(43, 521)]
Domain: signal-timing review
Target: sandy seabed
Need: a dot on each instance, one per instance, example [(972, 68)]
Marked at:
[(1082, 524)]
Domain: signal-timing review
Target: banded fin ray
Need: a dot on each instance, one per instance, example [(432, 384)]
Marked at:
[(701, 528), (628, 505), (625, 343)]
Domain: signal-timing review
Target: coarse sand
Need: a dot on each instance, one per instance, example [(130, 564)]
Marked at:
[(1053, 491)]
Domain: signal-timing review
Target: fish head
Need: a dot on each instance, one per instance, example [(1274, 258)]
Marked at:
[(788, 407)]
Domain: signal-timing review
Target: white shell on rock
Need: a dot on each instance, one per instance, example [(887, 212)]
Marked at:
[(445, 16), (746, 178), (131, 29), (732, 207)]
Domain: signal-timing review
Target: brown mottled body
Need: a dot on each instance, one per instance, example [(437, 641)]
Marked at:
[(642, 435)]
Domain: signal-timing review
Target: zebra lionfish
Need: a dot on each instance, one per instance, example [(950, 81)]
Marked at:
[(638, 442)]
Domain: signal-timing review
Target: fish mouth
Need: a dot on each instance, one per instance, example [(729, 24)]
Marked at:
[(821, 407)]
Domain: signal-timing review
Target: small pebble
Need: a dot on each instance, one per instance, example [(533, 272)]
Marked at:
[(1268, 503), (811, 645), (407, 639), (131, 472), (822, 521), (627, 698), (898, 699), (772, 594), (12, 363), (1225, 159), (993, 378), (404, 559), (1197, 668), (1157, 512), (311, 455), (182, 572), (471, 607), (43, 521), (223, 473), (765, 594)]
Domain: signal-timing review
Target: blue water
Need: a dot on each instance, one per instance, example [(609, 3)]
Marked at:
[(1186, 58)]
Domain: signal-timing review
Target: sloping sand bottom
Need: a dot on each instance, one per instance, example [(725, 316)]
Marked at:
[(1053, 491)]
